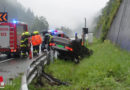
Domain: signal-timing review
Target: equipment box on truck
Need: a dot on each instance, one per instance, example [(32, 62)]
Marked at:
[(10, 35)]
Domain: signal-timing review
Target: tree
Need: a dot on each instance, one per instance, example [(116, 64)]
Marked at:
[(17, 11), (66, 30), (40, 24)]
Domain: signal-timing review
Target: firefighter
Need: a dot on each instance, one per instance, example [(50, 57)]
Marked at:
[(36, 41), (43, 42), (25, 44), (48, 39)]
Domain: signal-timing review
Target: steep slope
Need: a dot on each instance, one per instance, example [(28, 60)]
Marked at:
[(119, 32), (104, 21)]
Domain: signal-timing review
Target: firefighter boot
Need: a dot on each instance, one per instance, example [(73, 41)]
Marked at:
[(23, 55)]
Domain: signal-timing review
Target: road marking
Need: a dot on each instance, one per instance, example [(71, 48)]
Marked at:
[(6, 60)]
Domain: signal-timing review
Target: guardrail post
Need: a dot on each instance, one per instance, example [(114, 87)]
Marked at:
[(51, 55), (24, 83)]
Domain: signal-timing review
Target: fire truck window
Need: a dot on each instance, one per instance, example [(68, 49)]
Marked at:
[(20, 29)]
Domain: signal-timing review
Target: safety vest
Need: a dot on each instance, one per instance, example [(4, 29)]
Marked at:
[(39, 39), (36, 40), (34, 43)]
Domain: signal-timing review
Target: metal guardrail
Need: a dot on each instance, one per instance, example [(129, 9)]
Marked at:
[(34, 70)]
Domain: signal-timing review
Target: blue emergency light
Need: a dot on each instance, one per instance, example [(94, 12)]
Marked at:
[(14, 21)]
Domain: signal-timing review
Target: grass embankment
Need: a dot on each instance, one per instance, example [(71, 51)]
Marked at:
[(14, 85), (107, 69), (108, 14)]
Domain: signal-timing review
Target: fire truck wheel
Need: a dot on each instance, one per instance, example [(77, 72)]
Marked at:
[(9, 55), (16, 54)]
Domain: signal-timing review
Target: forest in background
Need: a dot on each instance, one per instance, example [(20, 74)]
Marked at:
[(18, 12)]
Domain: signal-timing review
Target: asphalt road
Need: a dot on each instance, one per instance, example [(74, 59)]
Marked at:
[(13, 67), (3, 57), (10, 68)]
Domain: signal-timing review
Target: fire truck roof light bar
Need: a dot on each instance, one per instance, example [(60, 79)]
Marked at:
[(14, 21)]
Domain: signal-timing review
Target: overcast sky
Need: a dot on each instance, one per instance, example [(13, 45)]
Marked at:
[(70, 13)]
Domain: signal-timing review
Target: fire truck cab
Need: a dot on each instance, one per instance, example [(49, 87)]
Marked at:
[(10, 36)]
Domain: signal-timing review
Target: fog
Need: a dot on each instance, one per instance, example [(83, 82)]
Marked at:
[(16, 11), (69, 13)]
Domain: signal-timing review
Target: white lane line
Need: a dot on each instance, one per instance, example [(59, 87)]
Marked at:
[(6, 60)]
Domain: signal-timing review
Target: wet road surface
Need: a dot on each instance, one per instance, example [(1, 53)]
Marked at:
[(3, 57), (13, 67)]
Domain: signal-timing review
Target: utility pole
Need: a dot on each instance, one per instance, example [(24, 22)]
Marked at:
[(85, 22), (84, 32)]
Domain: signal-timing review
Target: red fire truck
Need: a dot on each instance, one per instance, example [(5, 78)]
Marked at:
[(10, 35)]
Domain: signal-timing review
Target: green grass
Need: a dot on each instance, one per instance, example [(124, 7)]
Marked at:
[(107, 69), (15, 85)]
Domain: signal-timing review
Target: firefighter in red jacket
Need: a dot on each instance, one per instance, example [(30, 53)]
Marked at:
[(36, 41)]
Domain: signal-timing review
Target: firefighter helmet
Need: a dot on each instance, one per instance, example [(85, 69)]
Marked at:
[(23, 34), (47, 34), (27, 33), (35, 32)]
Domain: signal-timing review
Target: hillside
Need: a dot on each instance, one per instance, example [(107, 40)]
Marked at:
[(113, 24), (119, 32)]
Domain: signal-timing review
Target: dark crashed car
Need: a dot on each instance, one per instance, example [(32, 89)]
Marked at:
[(69, 49)]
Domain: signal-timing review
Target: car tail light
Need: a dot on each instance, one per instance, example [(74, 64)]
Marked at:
[(52, 44), (68, 48)]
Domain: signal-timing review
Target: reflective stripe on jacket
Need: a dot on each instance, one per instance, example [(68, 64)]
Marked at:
[(50, 37)]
